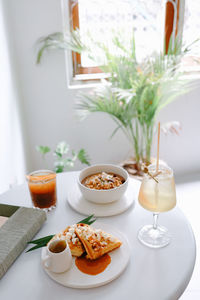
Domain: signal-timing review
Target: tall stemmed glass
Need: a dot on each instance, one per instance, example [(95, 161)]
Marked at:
[(157, 194)]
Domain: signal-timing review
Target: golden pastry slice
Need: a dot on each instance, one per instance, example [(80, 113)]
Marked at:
[(73, 241), (96, 241)]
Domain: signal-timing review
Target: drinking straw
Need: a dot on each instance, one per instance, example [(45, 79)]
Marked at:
[(158, 147)]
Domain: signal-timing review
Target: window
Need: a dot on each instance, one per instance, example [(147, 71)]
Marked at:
[(191, 32), (153, 22)]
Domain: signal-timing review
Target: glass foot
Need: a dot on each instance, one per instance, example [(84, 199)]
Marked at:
[(46, 209), (154, 238)]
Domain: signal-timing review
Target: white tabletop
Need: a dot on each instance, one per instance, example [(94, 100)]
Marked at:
[(152, 274)]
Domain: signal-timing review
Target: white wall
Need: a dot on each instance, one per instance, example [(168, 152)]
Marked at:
[(48, 105)]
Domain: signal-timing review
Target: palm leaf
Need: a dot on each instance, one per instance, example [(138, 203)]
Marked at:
[(41, 240), (59, 41)]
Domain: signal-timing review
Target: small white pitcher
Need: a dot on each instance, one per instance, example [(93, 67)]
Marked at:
[(58, 258)]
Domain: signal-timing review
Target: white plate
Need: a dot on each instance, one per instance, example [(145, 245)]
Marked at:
[(81, 205), (76, 279)]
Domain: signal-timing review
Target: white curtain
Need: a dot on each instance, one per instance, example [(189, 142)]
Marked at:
[(12, 159)]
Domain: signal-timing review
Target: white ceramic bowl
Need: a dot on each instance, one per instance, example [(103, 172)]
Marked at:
[(103, 196)]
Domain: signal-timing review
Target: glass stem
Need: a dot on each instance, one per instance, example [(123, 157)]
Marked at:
[(155, 221)]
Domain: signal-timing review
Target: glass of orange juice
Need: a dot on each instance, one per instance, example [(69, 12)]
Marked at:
[(157, 194), (42, 187)]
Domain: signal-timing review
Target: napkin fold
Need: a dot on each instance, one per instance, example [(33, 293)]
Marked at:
[(19, 229)]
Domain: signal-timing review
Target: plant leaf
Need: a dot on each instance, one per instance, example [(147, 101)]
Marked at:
[(41, 240), (88, 220), (58, 40), (83, 157), (36, 247), (115, 131), (61, 149), (43, 149), (59, 169)]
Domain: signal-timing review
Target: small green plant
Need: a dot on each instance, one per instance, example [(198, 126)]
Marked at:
[(62, 160)]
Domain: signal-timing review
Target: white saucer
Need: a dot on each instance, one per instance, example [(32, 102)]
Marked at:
[(76, 279), (81, 205)]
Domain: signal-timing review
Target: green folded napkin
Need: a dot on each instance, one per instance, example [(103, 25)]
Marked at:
[(17, 231)]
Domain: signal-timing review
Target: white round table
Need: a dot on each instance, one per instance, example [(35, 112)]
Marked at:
[(152, 274)]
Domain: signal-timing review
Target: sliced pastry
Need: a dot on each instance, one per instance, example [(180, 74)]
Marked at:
[(72, 239), (96, 241)]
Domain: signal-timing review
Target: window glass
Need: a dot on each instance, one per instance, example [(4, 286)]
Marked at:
[(100, 18), (191, 28)]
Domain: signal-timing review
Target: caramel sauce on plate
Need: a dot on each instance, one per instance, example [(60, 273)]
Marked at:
[(93, 267)]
